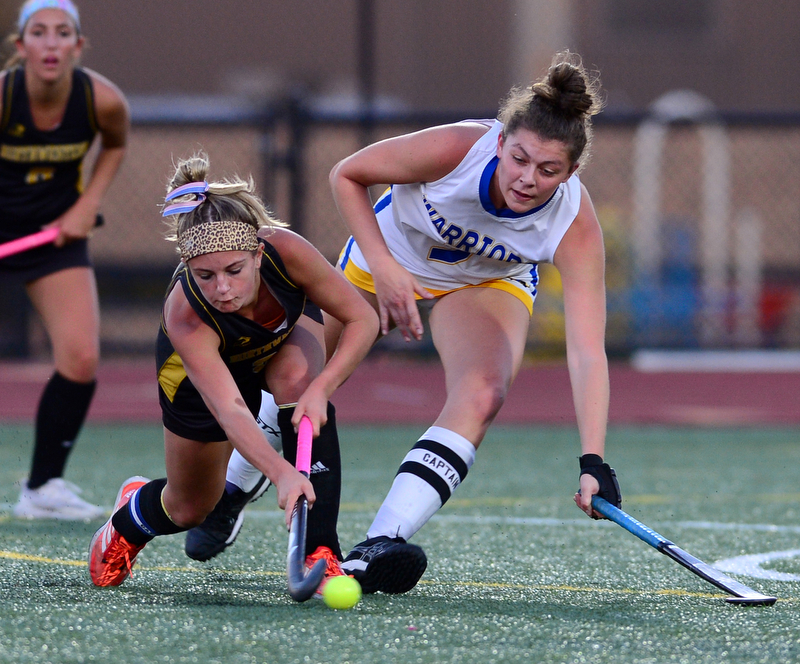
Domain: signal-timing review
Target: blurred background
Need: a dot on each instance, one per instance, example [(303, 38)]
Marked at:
[(694, 169)]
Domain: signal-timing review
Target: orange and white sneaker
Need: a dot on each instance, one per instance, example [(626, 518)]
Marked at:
[(334, 567), (111, 556)]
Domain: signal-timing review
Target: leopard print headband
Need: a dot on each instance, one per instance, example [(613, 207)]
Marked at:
[(214, 236)]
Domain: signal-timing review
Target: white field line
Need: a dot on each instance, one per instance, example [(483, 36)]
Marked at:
[(493, 520), (747, 565)]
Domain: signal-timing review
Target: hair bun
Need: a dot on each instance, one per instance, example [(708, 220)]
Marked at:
[(193, 169), (566, 89)]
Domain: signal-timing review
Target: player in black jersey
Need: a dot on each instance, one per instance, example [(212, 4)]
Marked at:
[(51, 111), (233, 324)]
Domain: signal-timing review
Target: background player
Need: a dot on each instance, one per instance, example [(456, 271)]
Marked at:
[(50, 112)]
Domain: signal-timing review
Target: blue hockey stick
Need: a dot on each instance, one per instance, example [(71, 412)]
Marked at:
[(741, 593)]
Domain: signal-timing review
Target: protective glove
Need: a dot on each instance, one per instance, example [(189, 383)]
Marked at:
[(592, 464)]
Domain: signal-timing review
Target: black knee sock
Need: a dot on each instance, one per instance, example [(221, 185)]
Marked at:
[(326, 477), (144, 517), (62, 410)]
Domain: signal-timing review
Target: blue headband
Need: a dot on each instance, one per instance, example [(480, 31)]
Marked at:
[(199, 189), (33, 6)]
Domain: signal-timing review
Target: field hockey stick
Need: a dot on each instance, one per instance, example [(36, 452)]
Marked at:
[(36, 239), (28, 242), (741, 593), (302, 585)]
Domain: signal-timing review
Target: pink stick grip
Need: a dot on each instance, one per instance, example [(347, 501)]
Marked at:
[(28, 242), (304, 434)]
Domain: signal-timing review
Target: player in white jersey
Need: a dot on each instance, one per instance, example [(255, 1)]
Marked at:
[(472, 208), (472, 211), (448, 237)]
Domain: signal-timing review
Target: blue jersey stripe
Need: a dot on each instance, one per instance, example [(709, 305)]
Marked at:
[(345, 257), (383, 201)]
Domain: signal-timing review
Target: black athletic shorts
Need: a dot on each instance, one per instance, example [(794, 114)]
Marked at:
[(36, 263), (187, 414)]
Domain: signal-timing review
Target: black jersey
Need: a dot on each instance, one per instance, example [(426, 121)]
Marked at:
[(244, 345), (40, 171)]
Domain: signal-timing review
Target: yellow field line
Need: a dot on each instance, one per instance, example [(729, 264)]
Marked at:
[(26, 557)]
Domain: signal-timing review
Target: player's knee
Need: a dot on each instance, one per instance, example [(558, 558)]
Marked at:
[(289, 383), (486, 399), (79, 364)]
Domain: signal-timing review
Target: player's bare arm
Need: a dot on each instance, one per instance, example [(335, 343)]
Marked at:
[(113, 120), (580, 259), (197, 345), (329, 290), (423, 156)]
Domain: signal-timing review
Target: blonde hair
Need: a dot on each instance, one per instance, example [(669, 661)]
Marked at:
[(14, 58), (231, 199)]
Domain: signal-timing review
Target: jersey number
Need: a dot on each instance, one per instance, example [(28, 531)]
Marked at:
[(40, 174), (447, 255)]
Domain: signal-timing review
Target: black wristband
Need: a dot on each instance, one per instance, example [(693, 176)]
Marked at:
[(592, 464), (588, 460)]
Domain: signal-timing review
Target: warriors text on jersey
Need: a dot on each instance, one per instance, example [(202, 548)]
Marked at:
[(448, 233), (244, 345), (40, 171)]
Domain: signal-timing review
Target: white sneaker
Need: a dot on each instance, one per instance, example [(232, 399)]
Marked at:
[(56, 499)]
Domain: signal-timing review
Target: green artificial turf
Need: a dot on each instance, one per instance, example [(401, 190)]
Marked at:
[(516, 572)]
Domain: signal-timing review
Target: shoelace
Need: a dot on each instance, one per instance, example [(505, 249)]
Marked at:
[(332, 565), (118, 551)]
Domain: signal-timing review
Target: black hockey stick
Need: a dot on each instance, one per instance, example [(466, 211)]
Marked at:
[(302, 585), (741, 593)]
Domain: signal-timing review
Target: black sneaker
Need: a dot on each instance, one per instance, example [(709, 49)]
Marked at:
[(221, 527), (386, 565)]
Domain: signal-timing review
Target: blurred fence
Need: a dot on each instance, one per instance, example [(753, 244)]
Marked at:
[(717, 263)]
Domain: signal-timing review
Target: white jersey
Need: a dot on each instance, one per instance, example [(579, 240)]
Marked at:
[(448, 233)]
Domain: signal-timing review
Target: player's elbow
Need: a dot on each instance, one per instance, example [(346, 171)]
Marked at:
[(587, 359), (344, 174), (335, 176)]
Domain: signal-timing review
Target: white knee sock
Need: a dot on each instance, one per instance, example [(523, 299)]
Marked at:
[(268, 420), (241, 472), (429, 474)]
